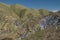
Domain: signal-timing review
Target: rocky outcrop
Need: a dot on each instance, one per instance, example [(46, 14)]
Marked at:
[(50, 21)]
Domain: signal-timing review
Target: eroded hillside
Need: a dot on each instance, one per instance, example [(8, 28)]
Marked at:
[(20, 23)]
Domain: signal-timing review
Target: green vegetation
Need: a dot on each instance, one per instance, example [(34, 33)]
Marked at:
[(22, 13)]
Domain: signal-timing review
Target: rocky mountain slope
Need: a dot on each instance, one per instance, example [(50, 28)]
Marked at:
[(20, 23)]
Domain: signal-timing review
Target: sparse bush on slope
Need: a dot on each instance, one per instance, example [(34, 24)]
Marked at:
[(22, 13)]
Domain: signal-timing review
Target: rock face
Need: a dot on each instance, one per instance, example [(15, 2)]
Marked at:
[(49, 21), (51, 25)]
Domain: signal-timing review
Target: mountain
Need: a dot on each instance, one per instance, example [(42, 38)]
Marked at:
[(21, 23)]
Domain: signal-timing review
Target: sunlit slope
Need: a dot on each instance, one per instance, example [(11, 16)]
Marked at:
[(21, 23)]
